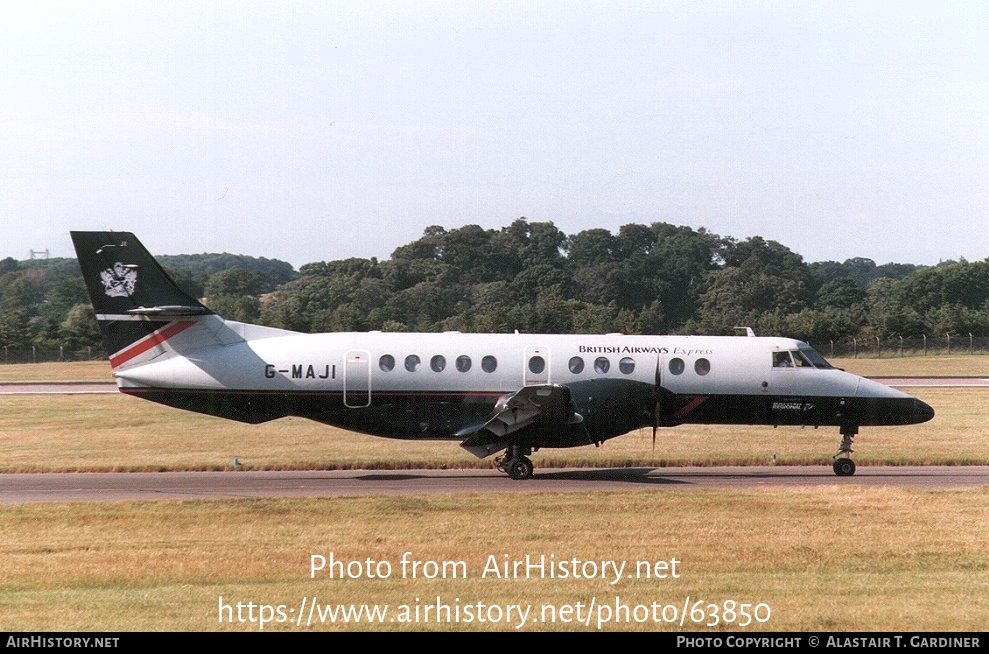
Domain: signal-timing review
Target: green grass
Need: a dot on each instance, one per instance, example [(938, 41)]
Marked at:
[(954, 365), (839, 558), (73, 371)]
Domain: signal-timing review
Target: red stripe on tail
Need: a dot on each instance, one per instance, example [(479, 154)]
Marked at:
[(153, 339)]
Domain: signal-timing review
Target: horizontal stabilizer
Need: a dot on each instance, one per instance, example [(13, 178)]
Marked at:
[(168, 311)]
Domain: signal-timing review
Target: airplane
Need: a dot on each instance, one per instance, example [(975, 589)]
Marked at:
[(510, 393)]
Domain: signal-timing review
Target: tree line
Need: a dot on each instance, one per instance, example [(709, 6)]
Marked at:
[(532, 277)]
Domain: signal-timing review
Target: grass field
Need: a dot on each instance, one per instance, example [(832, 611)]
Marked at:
[(834, 559), (838, 558)]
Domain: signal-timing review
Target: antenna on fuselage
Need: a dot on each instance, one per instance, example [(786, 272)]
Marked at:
[(747, 330)]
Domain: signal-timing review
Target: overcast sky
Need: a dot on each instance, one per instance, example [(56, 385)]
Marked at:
[(309, 131)]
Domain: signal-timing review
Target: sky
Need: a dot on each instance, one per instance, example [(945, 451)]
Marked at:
[(312, 131)]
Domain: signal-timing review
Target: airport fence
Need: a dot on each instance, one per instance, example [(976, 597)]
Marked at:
[(39, 355), (876, 348)]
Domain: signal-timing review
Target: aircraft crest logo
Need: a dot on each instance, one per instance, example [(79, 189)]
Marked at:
[(119, 281)]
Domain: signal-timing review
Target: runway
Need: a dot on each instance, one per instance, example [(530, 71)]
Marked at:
[(107, 487)]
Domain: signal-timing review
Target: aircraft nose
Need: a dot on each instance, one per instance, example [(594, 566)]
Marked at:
[(922, 412)]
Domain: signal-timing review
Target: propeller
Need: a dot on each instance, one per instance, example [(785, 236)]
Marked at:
[(656, 402)]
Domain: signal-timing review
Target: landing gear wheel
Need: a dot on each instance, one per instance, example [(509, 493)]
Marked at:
[(844, 467), (520, 468), (516, 463), (843, 464)]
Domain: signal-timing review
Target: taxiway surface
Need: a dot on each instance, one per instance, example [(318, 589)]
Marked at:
[(104, 487)]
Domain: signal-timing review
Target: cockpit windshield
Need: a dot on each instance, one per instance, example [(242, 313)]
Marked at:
[(814, 357), (800, 358)]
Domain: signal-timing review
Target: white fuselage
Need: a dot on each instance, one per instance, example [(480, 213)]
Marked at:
[(360, 364)]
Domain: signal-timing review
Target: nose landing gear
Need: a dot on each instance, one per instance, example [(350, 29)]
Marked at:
[(843, 464)]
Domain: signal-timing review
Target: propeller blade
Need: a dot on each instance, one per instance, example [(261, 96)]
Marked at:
[(655, 425)]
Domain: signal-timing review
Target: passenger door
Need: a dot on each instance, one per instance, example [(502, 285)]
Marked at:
[(357, 379), (536, 365)]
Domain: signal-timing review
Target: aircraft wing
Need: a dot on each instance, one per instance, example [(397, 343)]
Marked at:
[(544, 404)]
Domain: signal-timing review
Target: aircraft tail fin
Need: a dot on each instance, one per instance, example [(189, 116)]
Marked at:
[(138, 306)]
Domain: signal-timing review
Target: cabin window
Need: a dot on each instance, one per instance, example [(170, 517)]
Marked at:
[(702, 367), (677, 366), (386, 362), (601, 365), (489, 364), (626, 365), (463, 363), (576, 365), (537, 365), (412, 362), (438, 363)]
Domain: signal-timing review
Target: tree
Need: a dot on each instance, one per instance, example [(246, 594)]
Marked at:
[(529, 244), (960, 284), (196, 269), (591, 247), (634, 240), (25, 289), (679, 264), (426, 247), (888, 317), (80, 330), (841, 293), (473, 255), (537, 280), (15, 329), (298, 305), (761, 278), (955, 320), (242, 308), (233, 282), (8, 265), (819, 327), (234, 294)]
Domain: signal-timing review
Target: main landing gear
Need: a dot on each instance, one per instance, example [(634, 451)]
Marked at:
[(516, 463), (843, 464)]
